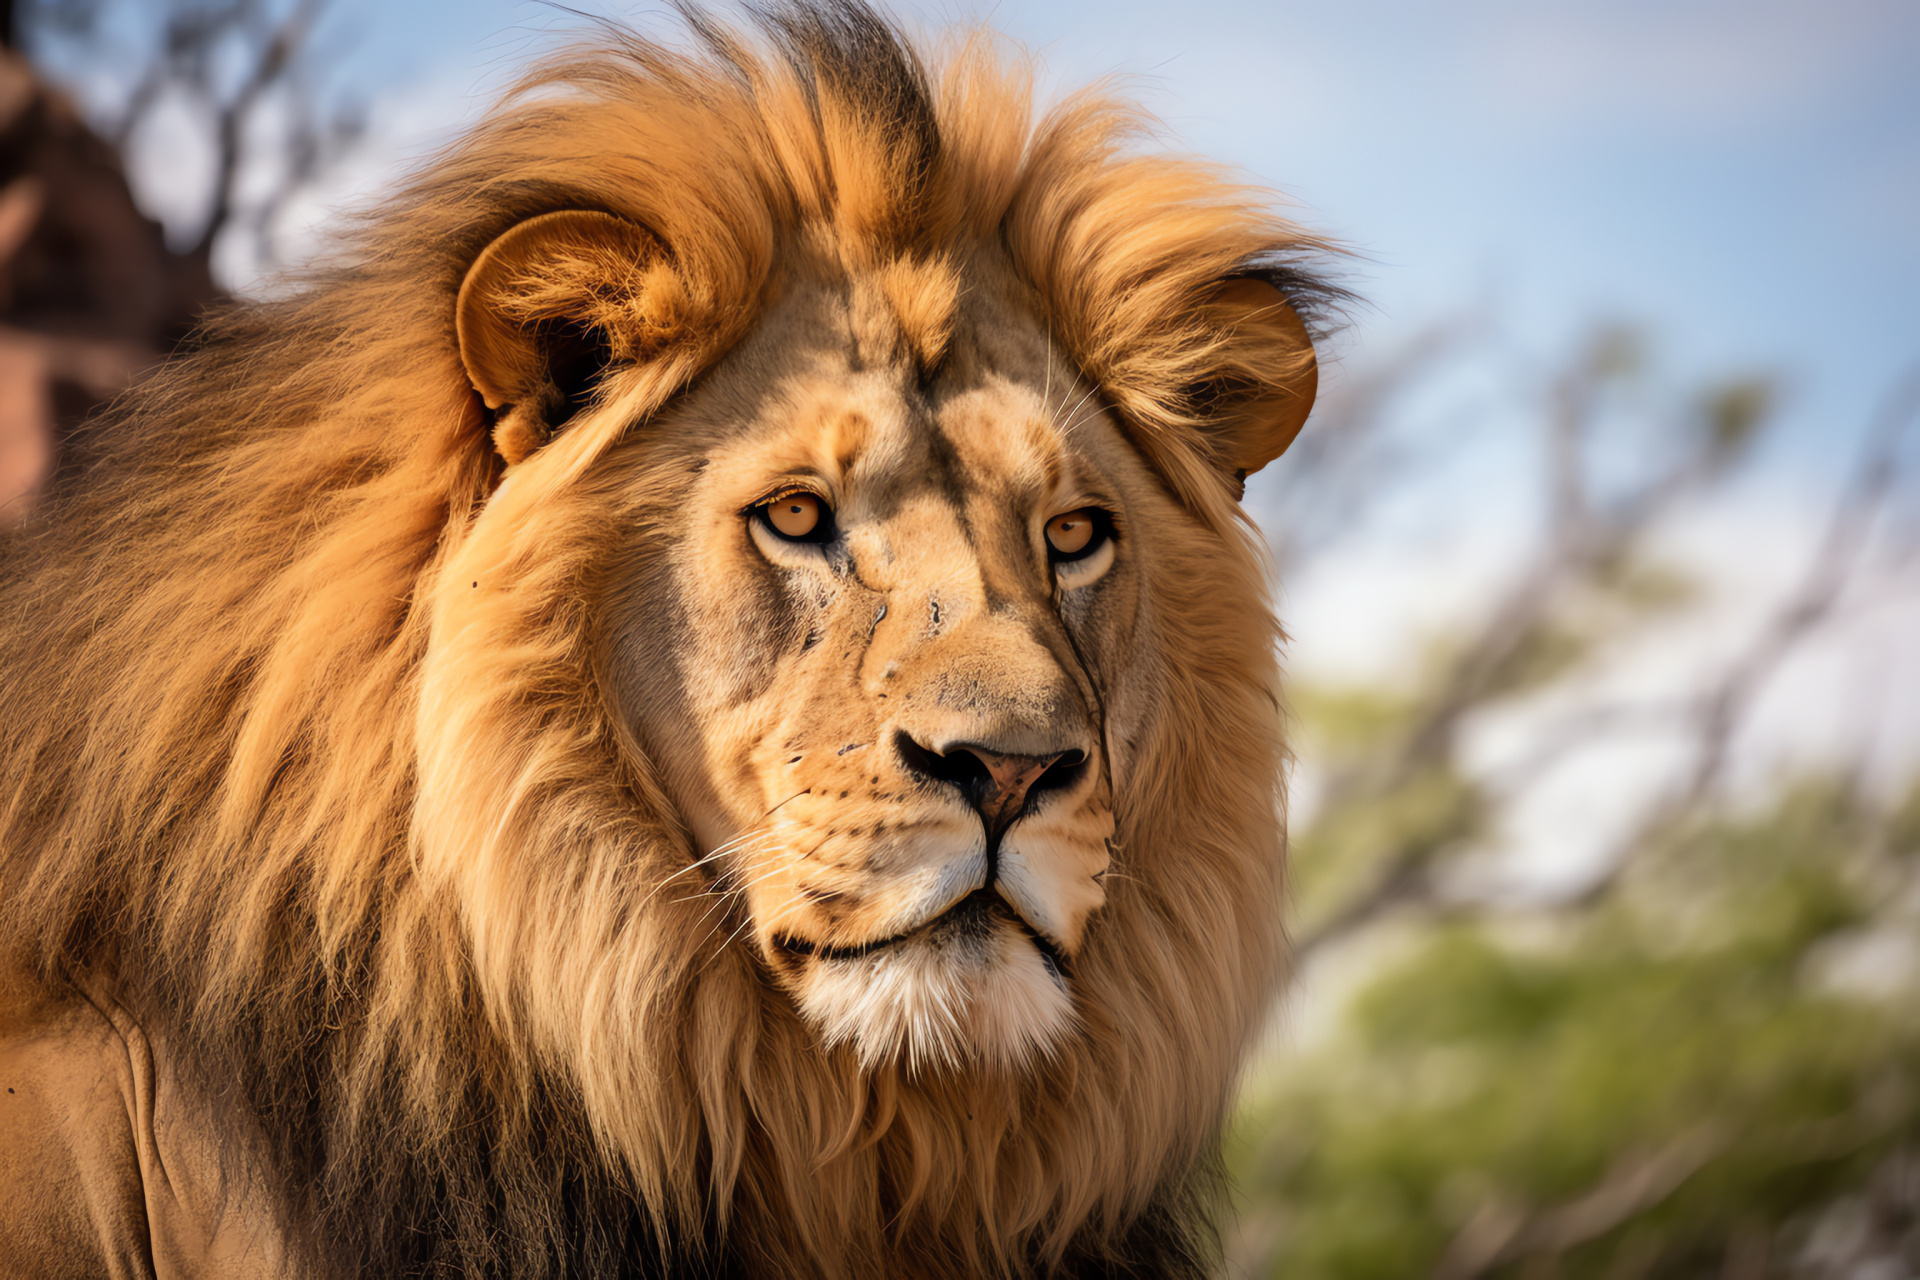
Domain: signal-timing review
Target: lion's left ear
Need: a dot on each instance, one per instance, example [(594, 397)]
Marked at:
[(547, 306), (1269, 374)]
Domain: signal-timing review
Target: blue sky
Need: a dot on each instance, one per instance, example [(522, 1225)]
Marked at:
[(1741, 177)]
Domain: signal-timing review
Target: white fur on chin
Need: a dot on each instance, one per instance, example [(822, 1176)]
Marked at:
[(939, 1001)]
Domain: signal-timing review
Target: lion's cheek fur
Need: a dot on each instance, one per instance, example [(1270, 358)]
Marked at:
[(1054, 872), (529, 825)]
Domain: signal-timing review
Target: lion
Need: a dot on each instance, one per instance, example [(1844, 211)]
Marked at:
[(697, 701)]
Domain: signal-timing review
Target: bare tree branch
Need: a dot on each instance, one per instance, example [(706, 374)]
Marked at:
[(1589, 536), (1332, 472), (1813, 602), (198, 45), (1632, 1186), (269, 69)]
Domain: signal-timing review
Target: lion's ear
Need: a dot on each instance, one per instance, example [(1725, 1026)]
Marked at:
[(1270, 374), (546, 307)]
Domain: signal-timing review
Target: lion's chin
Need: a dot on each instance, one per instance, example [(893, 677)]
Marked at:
[(973, 987)]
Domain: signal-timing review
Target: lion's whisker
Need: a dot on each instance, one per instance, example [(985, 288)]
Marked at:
[(732, 846), (784, 803), (1046, 393), (1072, 417), (1063, 413)]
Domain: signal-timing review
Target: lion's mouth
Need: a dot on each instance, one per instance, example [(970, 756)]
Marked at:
[(972, 919)]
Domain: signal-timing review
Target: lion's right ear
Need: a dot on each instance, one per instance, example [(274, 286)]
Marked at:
[(1270, 375), (547, 306)]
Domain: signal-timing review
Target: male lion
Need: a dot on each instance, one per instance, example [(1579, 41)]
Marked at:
[(699, 704)]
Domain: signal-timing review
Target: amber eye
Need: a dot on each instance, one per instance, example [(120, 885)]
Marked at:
[(1074, 534), (799, 516)]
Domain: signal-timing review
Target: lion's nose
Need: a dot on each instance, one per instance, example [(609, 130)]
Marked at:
[(995, 783)]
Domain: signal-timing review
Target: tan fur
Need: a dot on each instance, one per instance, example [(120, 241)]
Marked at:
[(435, 808), (923, 295)]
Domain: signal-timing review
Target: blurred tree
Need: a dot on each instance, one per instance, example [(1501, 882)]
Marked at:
[(91, 294), (1668, 1082), (1675, 1070), (245, 74)]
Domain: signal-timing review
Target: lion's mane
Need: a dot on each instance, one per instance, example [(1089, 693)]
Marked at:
[(217, 728)]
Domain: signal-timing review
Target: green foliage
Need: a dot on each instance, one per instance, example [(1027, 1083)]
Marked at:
[(1732, 414), (1367, 843), (1706, 1065), (1634, 1088), (1377, 827)]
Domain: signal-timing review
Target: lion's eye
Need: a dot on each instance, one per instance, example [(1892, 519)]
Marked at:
[(798, 516), (1074, 535)]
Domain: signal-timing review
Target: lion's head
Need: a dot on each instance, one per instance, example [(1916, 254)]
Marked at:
[(874, 646), (734, 658)]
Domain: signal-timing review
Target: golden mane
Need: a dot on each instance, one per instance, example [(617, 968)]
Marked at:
[(218, 724)]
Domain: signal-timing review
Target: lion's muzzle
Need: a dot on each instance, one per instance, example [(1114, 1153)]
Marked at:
[(999, 785), (954, 937)]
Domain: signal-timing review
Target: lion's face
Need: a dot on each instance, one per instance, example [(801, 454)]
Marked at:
[(862, 572), (895, 605)]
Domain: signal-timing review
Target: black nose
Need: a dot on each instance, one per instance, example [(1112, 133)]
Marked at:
[(999, 785)]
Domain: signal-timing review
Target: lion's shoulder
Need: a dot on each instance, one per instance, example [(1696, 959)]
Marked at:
[(105, 1165)]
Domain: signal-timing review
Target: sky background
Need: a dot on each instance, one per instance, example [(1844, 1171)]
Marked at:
[(1742, 176)]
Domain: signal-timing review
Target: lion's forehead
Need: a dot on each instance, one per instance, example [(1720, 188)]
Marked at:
[(824, 386)]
